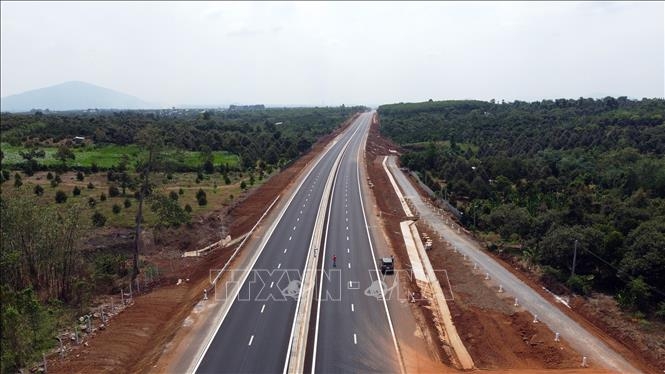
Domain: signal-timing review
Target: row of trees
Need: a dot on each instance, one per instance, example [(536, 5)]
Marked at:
[(551, 176)]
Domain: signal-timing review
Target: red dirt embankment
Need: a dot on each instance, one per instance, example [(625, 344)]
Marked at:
[(134, 339)]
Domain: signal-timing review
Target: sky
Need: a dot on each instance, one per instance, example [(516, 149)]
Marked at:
[(306, 53)]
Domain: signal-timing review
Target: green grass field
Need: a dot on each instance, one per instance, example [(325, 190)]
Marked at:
[(107, 156)]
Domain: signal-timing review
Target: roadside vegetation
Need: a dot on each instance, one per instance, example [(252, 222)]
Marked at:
[(540, 180), (68, 178)]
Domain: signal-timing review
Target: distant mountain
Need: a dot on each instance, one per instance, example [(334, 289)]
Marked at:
[(71, 96)]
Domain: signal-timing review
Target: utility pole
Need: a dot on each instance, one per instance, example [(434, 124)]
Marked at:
[(574, 257)]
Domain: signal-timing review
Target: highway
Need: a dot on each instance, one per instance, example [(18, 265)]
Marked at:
[(254, 334), (353, 331)]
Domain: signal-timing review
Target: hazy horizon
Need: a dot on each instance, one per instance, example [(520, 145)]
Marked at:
[(322, 54)]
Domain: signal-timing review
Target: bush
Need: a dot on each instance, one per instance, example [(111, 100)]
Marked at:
[(243, 185), (94, 168), (18, 182), (114, 191), (128, 203), (49, 176), (202, 200), (173, 195), (60, 197), (98, 219), (76, 191), (227, 180), (181, 191), (92, 202), (116, 208), (79, 176), (39, 190), (91, 186), (54, 183), (188, 208), (102, 197)]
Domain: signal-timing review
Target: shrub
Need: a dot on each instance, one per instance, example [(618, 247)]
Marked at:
[(49, 176), (18, 182), (116, 208), (94, 168), (181, 191), (114, 191), (54, 183), (227, 180), (243, 185), (76, 191), (173, 195), (92, 202), (102, 197), (91, 186), (98, 219), (79, 176), (202, 200), (188, 208), (39, 190), (128, 203), (60, 197)]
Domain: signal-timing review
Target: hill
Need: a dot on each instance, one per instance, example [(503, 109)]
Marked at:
[(73, 95)]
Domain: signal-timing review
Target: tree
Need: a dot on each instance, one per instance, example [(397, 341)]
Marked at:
[(102, 197), (18, 182), (243, 185), (152, 142), (91, 202), (128, 203), (91, 186), (201, 197), (79, 176), (39, 190), (114, 191), (173, 195), (63, 154), (98, 219), (76, 191), (116, 209), (168, 211), (30, 157), (60, 197)]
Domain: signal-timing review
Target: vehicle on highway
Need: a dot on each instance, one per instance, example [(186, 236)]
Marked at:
[(388, 265)]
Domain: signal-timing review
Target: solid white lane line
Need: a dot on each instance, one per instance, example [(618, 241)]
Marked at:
[(264, 307), (355, 339), (352, 308), (272, 284), (251, 339), (279, 265)]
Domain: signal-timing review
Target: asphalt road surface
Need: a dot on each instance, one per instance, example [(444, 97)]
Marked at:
[(254, 335), (353, 331), (583, 341)]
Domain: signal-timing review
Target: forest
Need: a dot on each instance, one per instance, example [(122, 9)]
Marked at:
[(541, 180), (58, 193)]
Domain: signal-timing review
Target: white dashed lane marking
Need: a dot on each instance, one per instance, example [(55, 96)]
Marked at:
[(264, 307), (251, 339), (272, 284), (348, 250), (349, 265), (286, 249), (355, 339), (352, 308), (279, 265)]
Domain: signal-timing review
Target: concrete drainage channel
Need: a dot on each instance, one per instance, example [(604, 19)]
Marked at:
[(429, 284)]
